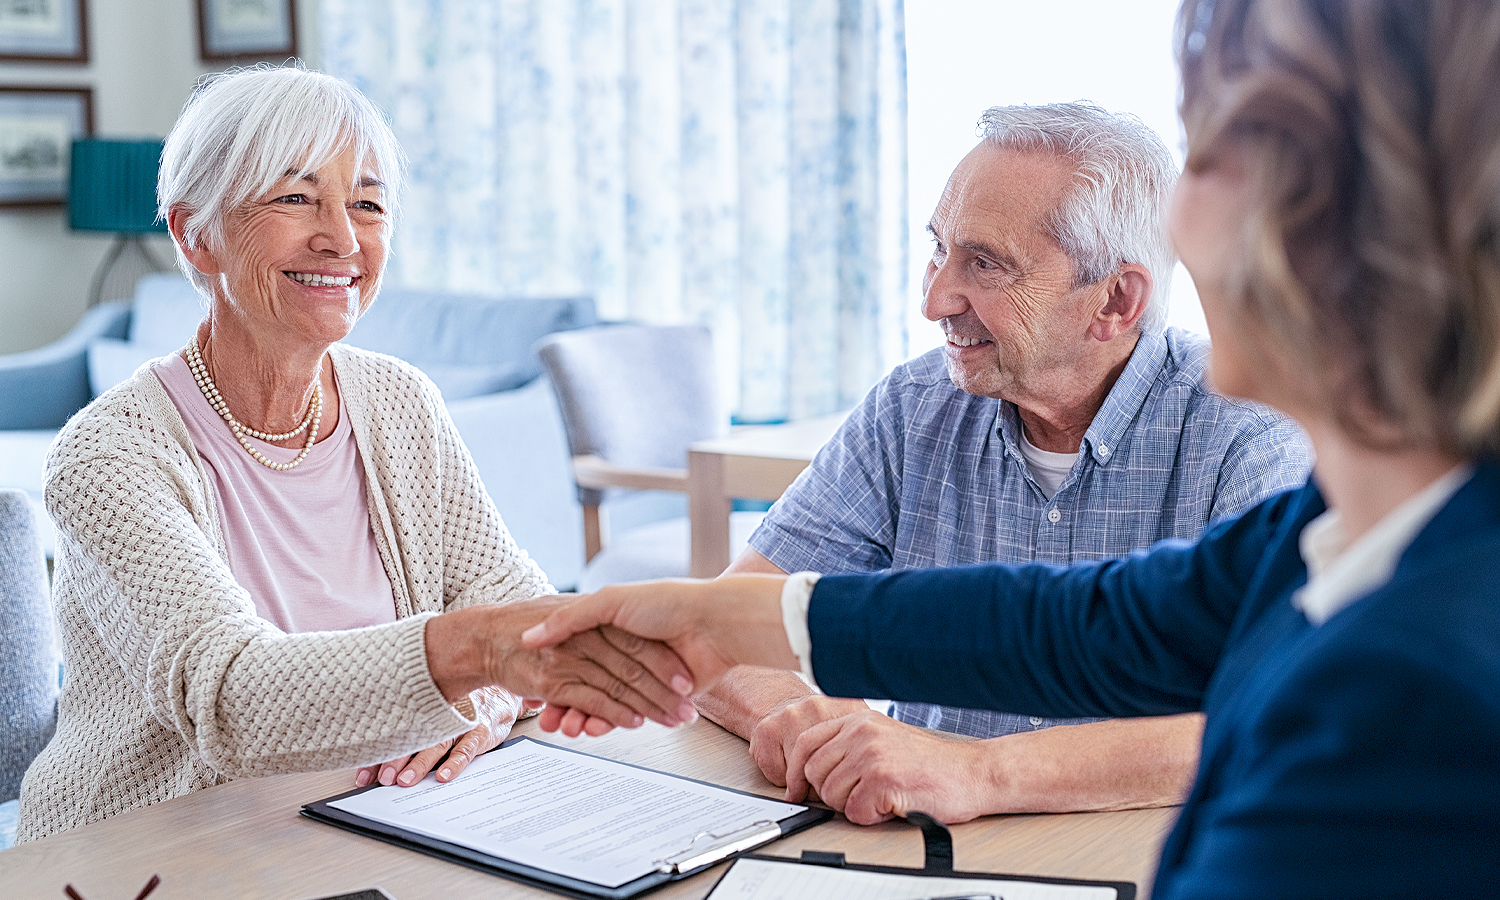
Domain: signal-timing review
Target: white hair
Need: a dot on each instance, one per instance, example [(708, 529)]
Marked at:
[(244, 130), (1118, 214)]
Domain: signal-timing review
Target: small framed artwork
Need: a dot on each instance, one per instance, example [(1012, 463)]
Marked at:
[(37, 128), (234, 30), (44, 31)]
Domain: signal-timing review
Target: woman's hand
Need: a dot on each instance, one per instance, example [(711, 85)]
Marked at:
[(614, 677), (496, 711)]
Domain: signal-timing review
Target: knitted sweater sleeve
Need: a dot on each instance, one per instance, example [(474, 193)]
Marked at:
[(150, 600)]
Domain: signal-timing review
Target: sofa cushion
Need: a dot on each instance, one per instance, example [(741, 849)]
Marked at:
[(459, 382), (431, 330), (23, 463), (517, 442), (164, 313), (111, 361)]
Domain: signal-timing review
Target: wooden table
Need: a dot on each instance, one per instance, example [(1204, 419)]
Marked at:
[(246, 840), (757, 462)]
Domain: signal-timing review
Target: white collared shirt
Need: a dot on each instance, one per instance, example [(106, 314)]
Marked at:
[(1340, 572)]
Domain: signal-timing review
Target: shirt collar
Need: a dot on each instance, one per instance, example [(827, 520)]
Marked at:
[(1120, 408), (1126, 397), (1340, 572)]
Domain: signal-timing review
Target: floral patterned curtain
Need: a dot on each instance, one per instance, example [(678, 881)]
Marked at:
[(739, 163)]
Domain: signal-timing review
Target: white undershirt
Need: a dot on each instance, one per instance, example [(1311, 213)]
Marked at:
[(1049, 469)]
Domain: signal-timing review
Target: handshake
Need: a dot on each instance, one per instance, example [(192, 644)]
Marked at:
[(616, 657)]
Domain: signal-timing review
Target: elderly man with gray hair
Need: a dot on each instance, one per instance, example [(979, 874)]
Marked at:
[(1061, 421)]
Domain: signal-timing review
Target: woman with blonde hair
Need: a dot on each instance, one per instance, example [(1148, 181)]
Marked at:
[(1340, 214)]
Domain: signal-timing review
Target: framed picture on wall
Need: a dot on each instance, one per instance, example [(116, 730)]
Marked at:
[(233, 30), (37, 128), (44, 31)]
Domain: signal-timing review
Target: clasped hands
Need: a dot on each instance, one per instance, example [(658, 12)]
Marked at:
[(682, 635), (611, 659), (858, 761), (633, 652)]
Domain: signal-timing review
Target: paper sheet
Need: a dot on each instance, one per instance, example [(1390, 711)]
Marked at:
[(757, 879), (565, 812)]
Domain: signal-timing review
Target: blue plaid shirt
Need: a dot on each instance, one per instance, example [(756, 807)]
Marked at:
[(924, 475)]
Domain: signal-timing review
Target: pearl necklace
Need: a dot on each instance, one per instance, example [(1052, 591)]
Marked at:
[(312, 418)]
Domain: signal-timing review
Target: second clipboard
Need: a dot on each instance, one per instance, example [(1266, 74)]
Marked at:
[(817, 875)]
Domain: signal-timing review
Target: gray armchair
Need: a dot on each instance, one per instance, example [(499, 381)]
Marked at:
[(28, 659), (633, 397)]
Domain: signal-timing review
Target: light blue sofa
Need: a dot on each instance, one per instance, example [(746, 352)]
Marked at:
[(477, 349)]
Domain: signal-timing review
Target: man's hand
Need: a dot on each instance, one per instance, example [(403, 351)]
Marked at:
[(496, 711), (774, 738), (747, 694), (871, 768)]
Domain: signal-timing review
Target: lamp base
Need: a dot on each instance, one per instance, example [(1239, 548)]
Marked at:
[(126, 262)]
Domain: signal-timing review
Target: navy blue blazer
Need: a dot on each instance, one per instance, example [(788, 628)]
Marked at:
[(1356, 759)]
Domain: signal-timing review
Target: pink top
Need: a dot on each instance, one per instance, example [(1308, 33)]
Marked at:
[(299, 540)]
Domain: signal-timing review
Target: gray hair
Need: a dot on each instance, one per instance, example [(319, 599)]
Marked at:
[(1118, 214), (243, 130)]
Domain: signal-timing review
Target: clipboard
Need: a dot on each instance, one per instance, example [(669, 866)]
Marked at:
[(938, 864), (706, 849)]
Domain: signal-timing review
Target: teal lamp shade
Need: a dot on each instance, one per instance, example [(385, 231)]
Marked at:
[(112, 186)]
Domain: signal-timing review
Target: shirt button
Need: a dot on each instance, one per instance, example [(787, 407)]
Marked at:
[(1035, 721), (1103, 449), (1053, 515)]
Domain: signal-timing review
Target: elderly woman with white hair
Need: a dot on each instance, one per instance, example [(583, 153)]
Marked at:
[(257, 535)]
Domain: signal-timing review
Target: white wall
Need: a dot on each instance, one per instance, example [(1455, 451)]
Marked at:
[(143, 60), (965, 56)]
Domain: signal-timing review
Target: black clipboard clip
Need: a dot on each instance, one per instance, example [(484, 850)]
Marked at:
[(937, 848), (718, 847)]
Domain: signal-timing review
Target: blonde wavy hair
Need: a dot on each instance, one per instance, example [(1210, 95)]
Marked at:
[(1369, 269)]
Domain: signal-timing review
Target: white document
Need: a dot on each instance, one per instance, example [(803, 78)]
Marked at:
[(568, 813), (758, 879)]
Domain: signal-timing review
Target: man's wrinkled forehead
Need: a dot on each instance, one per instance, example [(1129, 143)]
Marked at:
[(999, 191)]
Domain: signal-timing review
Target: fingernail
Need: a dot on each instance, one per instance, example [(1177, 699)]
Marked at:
[(535, 632), (687, 712), (681, 685), (446, 773), (362, 778), (637, 721), (388, 776), (408, 778)]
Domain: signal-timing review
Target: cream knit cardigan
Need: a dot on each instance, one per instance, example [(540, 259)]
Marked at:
[(173, 683)]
